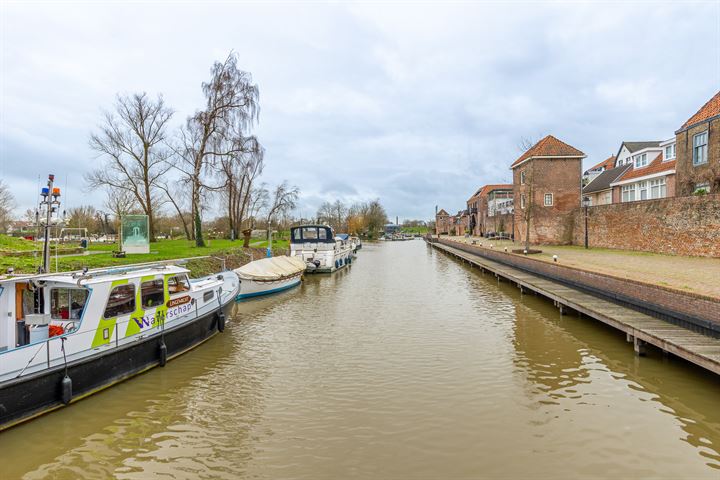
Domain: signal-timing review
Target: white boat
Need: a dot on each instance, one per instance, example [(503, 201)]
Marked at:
[(319, 248), (269, 275), (355, 243), (64, 336)]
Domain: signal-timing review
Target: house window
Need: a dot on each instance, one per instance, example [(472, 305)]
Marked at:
[(522, 201), (700, 148), (548, 199), (670, 152), (628, 193), (701, 188), (658, 188), (643, 187), (640, 160), (522, 178), (121, 301), (152, 293)]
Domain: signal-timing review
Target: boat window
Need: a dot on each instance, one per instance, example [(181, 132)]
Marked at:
[(178, 284), (296, 234), (207, 296), (323, 233), (121, 301), (309, 233), (31, 301), (67, 303), (152, 293)]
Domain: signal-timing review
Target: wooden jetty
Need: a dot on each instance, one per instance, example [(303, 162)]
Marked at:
[(640, 329)]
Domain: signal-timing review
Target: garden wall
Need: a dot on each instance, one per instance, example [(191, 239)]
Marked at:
[(676, 225)]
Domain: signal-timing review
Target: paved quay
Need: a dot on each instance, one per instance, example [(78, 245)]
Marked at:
[(640, 329), (687, 274)]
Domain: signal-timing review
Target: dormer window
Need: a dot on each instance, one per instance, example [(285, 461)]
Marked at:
[(640, 160), (670, 151)]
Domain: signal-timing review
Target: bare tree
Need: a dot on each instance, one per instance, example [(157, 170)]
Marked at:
[(284, 199), (119, 202), (325, 213), (525, 143), (176, 196), (133, 140), (231, 108), (84, 216), (259, 201), (7, 204), (238, 173)]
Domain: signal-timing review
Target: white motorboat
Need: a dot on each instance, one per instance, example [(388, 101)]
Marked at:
[(64, 336), (269, 275), (319, 248)]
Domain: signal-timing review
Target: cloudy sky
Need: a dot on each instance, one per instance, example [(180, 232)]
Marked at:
[(417, 103)]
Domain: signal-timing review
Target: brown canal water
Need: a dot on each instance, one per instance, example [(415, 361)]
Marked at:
[(406, 365)]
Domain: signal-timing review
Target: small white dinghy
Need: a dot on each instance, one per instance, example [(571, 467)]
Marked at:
[(269, 275)]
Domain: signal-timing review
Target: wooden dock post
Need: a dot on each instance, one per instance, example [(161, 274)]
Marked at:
[(639, 347)]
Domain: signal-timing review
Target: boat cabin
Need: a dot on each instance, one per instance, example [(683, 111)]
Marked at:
[(312, 234)]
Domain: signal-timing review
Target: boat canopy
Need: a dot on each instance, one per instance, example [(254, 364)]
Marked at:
[(312, 234), (274, 268)]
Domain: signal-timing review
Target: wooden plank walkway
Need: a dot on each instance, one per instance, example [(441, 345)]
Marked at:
[(640, 329)]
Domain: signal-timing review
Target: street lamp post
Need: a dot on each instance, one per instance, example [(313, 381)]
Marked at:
[(586, 204)]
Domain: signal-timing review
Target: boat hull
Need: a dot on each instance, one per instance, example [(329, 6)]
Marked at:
[(28, 397), (251, 288)]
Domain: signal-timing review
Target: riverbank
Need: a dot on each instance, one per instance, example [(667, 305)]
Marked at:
[(696, 275), (227, 253)]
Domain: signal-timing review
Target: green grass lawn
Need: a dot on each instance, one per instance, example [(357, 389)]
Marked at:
[(100, 255), (15, 244)]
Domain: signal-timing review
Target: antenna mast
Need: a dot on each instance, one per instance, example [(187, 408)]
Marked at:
[(51, 201)]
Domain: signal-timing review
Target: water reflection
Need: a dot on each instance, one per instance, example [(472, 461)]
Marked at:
[(408, 364), (555, 356)]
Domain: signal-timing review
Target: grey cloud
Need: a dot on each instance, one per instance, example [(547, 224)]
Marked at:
[(416, 104)]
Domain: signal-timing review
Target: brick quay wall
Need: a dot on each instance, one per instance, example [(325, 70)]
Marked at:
[(695, 311)]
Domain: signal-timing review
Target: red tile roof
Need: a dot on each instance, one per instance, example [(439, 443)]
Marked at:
[(710, 109), (606, 164), (548, 147), (501, 186), (486, 189), (656, 166)]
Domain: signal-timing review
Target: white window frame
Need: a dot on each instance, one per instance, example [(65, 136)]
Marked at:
[(522, 201), (545, 200), (670, 151), (643, 188), (627, 192), (522, 177), (640, 160), (700, 150), (658, 188)]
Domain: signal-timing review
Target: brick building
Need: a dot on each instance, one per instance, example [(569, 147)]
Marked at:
[(443, 222), (489, 209), (698, 150), (546, 186), (473, 209), (460, 223)]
